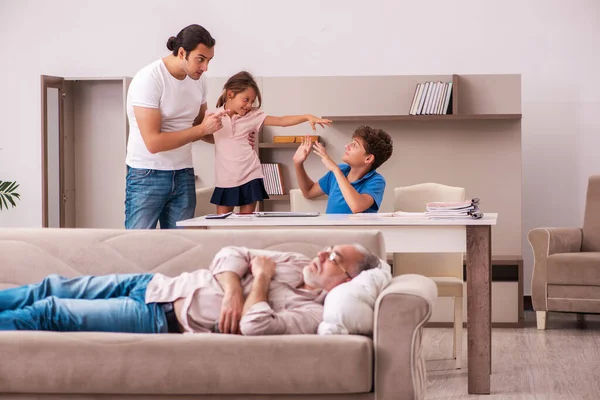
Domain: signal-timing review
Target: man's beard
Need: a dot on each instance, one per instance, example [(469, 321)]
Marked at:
[(316, 281)]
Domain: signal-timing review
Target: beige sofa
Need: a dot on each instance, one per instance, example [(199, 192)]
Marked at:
[(82, 365)]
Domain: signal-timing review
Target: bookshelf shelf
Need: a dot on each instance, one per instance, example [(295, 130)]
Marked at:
[(439, 117)]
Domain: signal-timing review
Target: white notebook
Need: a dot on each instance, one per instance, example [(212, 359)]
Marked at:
[(286, 214)]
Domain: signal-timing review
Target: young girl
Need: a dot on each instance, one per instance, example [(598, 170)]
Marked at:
[(238, 173)]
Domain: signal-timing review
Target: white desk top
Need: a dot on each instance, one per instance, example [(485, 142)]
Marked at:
[(336, 220)]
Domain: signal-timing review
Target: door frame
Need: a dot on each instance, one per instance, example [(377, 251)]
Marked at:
[(56, 82)]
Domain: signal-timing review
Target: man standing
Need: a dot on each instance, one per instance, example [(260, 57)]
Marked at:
[(353, 187), (252, 292), (166, 106)]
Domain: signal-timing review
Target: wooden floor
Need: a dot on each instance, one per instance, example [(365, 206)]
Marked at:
[(561, 362)]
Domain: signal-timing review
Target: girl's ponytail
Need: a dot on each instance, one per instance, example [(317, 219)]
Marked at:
[(222, 99)]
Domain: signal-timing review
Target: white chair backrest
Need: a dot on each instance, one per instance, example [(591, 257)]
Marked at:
[(301, 204), (203, 204), (413, 199)]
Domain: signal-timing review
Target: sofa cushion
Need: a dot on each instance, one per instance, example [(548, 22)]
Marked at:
[(574, 269), (89, 362)]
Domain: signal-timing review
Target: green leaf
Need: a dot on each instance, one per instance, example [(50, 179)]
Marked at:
[(8, 194), (3, 200)]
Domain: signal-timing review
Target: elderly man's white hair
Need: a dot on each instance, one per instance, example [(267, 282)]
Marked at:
[(369, 260)]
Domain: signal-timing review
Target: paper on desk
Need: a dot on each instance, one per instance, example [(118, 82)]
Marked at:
[(401, 214)]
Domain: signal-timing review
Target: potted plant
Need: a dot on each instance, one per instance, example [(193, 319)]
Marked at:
[(8, 194)]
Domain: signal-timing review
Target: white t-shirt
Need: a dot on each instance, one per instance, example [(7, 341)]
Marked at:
[(179, 102)]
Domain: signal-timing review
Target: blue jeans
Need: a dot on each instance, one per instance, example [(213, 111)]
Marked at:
[(152, 195), (110, 303)]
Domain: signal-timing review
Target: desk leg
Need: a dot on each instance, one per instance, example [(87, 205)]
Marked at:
[(479, 308)]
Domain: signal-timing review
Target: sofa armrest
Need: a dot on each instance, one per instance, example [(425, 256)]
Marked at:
[(401, 311), (545, 242)]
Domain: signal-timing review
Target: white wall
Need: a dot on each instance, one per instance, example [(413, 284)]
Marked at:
[(552, 43)]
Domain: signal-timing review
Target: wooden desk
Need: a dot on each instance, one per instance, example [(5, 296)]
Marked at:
[(414, 235)]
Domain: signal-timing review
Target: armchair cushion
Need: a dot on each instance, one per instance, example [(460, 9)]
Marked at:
[(574, 269)]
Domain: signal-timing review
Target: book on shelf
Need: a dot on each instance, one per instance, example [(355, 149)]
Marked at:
[(294, 139), (432, 98), (273, 178)]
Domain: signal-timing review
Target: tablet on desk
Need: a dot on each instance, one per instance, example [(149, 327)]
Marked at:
[(286, 214), (217, 216)]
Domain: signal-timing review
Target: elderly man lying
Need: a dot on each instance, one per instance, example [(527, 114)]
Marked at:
[(252, 292)]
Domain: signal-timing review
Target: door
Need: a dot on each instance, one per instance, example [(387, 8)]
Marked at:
[(84, 140)]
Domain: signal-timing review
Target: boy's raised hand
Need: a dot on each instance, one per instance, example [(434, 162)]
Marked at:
[(319, 150), (313, 121), (303, 151)]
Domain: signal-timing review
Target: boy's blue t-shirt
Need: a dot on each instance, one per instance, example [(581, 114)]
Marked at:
[(372, 184)]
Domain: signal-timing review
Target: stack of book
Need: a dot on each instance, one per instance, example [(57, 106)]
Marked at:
[(273, 178), (294, 139), (457, 210), (432, 98)]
